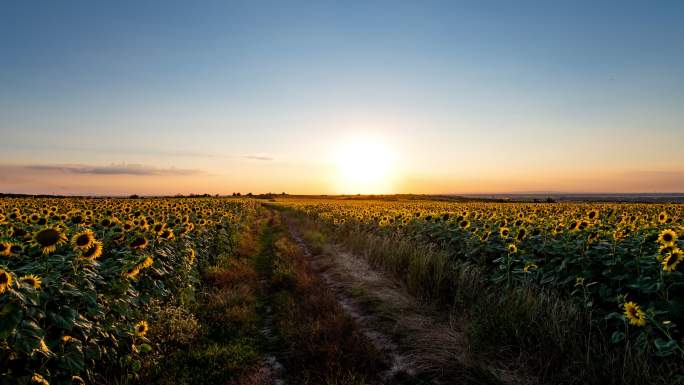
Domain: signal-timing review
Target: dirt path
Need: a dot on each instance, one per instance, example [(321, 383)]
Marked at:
[(423, 346)]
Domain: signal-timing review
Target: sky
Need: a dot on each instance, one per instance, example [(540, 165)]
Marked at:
[(327, 97)]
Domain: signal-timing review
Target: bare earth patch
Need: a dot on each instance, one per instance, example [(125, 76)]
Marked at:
[(423, 345)]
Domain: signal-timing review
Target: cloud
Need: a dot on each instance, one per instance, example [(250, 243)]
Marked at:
[(259, 157), (115, 169)]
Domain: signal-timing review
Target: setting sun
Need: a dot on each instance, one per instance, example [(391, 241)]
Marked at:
[(364, 167)]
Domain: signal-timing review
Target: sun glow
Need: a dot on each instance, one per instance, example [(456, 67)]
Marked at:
[(364, 167)]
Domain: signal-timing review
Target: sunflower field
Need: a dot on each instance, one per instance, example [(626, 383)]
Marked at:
[(620, 262), (78, 276)]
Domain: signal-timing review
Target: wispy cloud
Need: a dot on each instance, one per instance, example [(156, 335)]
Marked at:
[(116, 169), (259, 157)]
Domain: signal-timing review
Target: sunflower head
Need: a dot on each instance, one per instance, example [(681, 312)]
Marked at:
[(93, 252), (83, 240), (504, 231), (38, 379), (167, 234), (158, 228), (48, 239), (521, 234), (512, 248), (191, 255), (5, 280), (662, 217), (530, 266), (16, 249), (132, 272), (593, 236), (139, 243), (634, 314), (147, 262), (5, 249), (667, 237), (31, 280), (672, 259), (141, 328)]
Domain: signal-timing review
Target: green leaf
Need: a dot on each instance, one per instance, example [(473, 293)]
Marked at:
[(10, 317), (617, 337)]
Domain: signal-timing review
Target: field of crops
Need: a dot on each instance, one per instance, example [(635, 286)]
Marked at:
[(620, 262), (79, 279), (106, 290)]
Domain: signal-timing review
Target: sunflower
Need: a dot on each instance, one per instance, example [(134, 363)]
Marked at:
[(672, 260), (94, 251), (43, 347), (191, 255), (521, 234), (504, 231), (66, 339), (167, 234), (139, 243), (5, 249), (132, 272), (16, 249), (593, 236), (38, 379), (5, 280), (634, 314), (83, 240), (31, 280), (666, 249), (48, 239), (667, 237), (530, 266), (662, 217), (512, 248), (147, 262), (464, 224), (141, 328), (159, 228), (76, 218)]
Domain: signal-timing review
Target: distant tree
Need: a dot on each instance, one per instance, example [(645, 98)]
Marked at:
[(134, 196), (239, 194), (249, 194)]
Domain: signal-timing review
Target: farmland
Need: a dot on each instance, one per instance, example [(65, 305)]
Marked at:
[(327, 291)]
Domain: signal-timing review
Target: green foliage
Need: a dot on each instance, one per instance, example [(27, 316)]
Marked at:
[(71, 311)]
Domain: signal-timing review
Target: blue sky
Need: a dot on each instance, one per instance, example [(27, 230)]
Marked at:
[(478, 96)]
